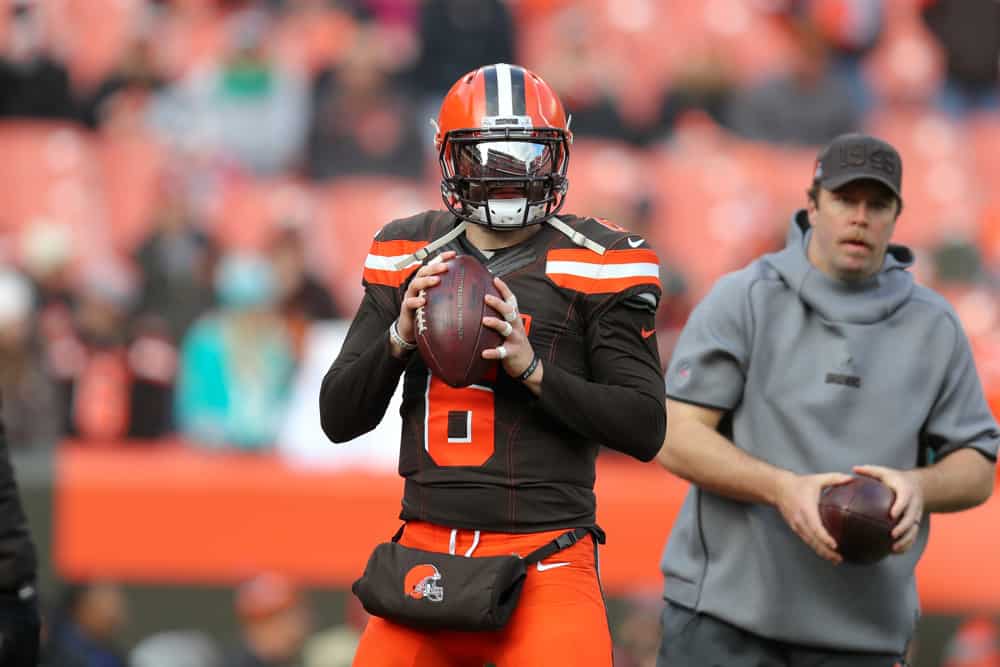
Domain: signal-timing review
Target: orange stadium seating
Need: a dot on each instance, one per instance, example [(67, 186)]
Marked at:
[(47, 177), (604, 177), (938, 174), (907, 65), (131, 167), (316, 37), (248, 211), (349, 213), (715, 205)]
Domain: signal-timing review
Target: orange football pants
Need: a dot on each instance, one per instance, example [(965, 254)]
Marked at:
[(560, 619)]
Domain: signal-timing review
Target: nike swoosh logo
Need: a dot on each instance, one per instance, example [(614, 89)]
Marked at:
[(646, 333), (635, 244), (551, 566)]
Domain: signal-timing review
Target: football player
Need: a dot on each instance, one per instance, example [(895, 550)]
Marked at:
[(507, 465), (20, 622)]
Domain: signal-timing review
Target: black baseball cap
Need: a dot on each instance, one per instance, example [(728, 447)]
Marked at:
[(852, 157)]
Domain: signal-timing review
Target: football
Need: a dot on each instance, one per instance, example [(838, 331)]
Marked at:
[(450, 332), (856, 515)]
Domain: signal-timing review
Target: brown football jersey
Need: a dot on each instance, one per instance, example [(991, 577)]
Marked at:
[(492, 456)]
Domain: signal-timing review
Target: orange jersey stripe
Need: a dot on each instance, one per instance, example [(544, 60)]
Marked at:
[(401, 247), (590, 273), (380, 265)]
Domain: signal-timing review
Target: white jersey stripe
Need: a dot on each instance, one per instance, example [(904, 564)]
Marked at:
[(505, 95), (387, 263), (598, 271)]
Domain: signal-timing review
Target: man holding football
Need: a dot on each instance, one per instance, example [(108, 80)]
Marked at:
[(809, 364), (506, 465)]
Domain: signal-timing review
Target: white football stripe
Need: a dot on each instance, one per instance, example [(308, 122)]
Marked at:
[(386, 263), (505, 96), (599, 271)]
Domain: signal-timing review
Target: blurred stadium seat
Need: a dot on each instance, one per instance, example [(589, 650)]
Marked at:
[(95, 34), (605, 176), (315, 37), (132, 167), (713, 215), (248, 211), (938, 174), (48, 177), (350, 212), (907, 64)]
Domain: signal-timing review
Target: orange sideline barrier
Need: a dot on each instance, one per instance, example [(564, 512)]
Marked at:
[(171, 514)]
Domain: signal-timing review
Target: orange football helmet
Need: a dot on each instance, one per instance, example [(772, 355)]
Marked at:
[(422, 582), (503, 142)]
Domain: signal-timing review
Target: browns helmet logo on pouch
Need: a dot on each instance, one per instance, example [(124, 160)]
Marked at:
[(422, 583)]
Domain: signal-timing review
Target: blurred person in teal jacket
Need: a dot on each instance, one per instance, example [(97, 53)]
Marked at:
[(237, 362)]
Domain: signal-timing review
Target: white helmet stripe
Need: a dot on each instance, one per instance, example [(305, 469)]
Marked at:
[(505, 93)]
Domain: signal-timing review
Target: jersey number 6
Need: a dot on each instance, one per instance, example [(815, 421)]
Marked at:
[(458, 424)]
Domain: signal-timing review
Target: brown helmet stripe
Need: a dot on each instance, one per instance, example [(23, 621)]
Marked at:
[(492, 94)]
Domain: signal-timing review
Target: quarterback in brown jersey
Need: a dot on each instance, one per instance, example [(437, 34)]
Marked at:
[(507, 465)]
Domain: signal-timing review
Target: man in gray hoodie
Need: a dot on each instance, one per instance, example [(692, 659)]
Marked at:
[(812, 363)]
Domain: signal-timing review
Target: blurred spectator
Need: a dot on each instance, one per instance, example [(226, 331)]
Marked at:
[(360, 123), (969, 33), (114, 376), (176, 263), (85, 627), (457, 36), (807, 105), (851, 29), (237, 363), (957, 261), (302, 298), (274, 623), (703, 85), (34, 83), (29, 395), (47, 256), (250, 110), (179, 648), (976, 644), (121, 99), (335, 647)]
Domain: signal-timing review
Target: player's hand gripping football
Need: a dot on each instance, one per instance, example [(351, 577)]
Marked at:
[(425, 277), (798, 502), (516, 353), (908, 508)]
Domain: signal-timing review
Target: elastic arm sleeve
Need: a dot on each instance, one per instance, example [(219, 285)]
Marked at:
[(359, 385), (622, 406)]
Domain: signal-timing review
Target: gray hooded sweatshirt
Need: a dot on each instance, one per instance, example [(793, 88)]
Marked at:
[(817, 375)]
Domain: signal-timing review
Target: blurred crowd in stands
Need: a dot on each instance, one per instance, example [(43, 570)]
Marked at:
[(276, 627), (187, 185), (190, 183)]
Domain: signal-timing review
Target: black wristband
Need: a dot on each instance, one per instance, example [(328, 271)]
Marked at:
[(529, 370)]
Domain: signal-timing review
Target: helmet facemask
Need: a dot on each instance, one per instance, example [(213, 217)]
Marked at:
[(504, 178)]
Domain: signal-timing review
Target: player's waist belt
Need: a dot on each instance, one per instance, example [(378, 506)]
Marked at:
[(441, 591)]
